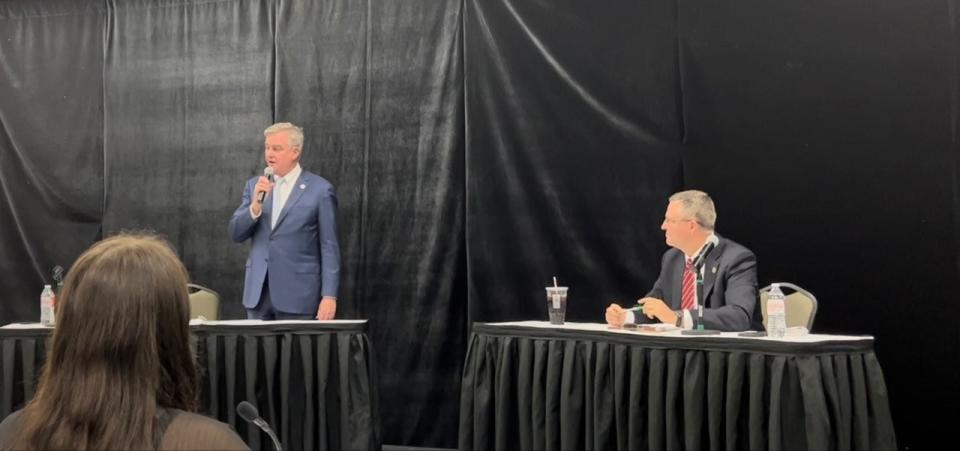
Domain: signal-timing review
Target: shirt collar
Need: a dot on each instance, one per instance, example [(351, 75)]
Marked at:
[(291, 176), (690, 257)]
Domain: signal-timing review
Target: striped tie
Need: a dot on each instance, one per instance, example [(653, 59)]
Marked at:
[(688, 286)]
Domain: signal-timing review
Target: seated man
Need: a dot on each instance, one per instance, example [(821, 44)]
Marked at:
[(729, 274)]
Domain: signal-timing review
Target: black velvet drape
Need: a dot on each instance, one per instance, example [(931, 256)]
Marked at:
[(479, 147), (127, 115), (567, 170), (51, 157), (827, 132)]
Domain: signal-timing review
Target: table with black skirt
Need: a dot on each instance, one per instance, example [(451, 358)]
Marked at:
[(313, 382), (532, 385)]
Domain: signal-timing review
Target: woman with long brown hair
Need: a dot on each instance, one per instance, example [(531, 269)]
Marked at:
[(119, 373)]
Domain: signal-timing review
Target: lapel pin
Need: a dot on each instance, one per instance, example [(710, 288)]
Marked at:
[(303, 186), (713, 270)]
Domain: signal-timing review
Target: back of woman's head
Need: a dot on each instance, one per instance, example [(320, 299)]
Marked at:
[(119, 352)]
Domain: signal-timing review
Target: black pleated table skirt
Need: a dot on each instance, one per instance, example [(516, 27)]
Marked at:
[(532, 386), (314, 382)]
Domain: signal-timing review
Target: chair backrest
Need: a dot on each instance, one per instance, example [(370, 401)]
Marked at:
[(203, 302), (801, 305)]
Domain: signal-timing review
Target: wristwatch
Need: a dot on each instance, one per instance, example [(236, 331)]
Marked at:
[(679, 314)]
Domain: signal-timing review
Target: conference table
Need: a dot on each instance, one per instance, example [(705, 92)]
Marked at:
[(314, 382), (533, 385)]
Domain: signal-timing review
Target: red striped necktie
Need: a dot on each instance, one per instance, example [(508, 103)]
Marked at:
[(688, 286)]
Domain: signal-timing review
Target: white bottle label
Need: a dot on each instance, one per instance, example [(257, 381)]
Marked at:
[(775, 308)]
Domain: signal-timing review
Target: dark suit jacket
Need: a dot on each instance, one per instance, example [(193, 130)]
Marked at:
[(729, 285), (300, 255)]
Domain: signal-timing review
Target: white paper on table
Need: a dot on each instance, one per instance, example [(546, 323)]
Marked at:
[(25, 326)]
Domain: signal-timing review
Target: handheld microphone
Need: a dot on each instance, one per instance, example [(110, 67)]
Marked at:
[(249, 413), (268, 173)]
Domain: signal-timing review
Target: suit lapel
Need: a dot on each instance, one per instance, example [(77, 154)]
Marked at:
[(296, 191), (710, 271)]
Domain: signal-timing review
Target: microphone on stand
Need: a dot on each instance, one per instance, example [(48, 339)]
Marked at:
[(57, 279), (701, 256), (58, 274), (268, 173), (249, 413), (698, 262)]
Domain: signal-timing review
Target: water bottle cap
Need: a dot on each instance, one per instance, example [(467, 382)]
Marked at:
[(47, 286)]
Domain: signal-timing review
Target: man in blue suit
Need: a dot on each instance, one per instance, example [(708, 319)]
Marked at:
[(294, 266), (729, 274)]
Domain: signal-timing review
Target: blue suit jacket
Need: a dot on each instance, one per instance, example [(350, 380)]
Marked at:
[(729, 285), (300, 255)]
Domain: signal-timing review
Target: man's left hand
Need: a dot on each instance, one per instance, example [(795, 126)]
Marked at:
[(656, 308), (328, 308)]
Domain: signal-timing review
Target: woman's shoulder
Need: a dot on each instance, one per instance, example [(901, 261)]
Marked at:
[(8, 428), (193, 431)]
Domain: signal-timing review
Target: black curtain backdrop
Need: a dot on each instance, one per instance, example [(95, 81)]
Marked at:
[(567, 170), (480, 147)]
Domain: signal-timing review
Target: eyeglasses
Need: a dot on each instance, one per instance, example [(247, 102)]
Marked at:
[(674, 221)]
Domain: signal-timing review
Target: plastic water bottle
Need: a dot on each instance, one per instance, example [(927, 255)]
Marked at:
[(776, 313), (47, 307)]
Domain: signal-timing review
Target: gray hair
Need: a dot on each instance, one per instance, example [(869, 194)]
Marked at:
[(295, 133), (698, 205)]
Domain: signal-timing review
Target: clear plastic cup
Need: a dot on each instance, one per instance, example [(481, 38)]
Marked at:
[(557, 304)]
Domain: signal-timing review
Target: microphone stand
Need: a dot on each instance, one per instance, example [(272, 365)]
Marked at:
[(266, 428), (249, 414), (698, 271)]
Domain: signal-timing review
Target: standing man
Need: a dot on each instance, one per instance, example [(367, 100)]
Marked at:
[(294, 266), (729, 274)]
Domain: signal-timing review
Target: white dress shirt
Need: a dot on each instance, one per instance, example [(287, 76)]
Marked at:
[(282, 187)]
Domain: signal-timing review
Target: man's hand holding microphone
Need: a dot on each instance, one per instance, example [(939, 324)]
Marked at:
[(264, 185)]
